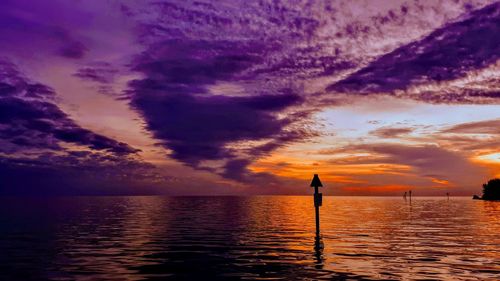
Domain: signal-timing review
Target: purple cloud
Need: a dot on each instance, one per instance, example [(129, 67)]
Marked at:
[(102, 72), (388, 132), (101, 75), (450, 52), (425, 161), (33, 159), (73, 50), (220, 85), (197, 125), (29, 118), (481, 127), (76, 172), (29, 28)]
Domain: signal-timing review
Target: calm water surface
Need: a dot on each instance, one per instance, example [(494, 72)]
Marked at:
[(234, 238)]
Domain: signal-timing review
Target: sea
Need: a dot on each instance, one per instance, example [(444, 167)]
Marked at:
[(248, 238)]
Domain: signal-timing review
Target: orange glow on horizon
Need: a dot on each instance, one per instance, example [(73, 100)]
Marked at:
[(297, 168), (377, 188)]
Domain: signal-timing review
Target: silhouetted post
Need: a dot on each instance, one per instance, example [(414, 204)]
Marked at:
[(318, 199), (448, 195), (409, 193)]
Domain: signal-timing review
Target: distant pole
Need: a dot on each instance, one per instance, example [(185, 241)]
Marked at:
[(410, 194), (318, 199), (448, 195)]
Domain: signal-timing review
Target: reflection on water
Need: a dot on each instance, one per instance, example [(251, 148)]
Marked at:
[(153, 238)]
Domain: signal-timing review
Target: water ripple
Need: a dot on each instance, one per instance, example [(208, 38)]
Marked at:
[(248, 238)]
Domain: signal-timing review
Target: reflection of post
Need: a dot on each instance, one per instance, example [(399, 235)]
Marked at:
[(318, 201), (318, 252)]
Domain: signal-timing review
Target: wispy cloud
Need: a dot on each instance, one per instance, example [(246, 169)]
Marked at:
[(447, 53)]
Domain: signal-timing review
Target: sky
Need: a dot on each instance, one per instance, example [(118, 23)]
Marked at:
[(105, 97)]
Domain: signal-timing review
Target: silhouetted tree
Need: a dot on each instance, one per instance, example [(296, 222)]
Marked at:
[(491, 190)]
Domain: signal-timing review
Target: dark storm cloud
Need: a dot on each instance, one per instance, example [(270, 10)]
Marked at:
[(29, 118), (448, 53), (198, 125), (197, 128)]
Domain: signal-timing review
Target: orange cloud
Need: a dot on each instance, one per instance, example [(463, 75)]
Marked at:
[(441, 183)]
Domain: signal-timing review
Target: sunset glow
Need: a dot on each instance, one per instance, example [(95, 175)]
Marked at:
[(232, 97)]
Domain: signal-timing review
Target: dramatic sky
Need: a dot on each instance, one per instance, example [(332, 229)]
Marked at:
[(249, 97)]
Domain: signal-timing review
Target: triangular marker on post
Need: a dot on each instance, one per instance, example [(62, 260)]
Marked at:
[(316, 182)]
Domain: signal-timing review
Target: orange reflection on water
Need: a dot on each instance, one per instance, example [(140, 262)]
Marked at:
[(269, 237)]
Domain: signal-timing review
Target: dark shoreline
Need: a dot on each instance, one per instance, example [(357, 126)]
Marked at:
[(475, 197)]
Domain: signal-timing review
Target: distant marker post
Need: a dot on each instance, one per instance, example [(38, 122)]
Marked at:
[(318, 199)]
